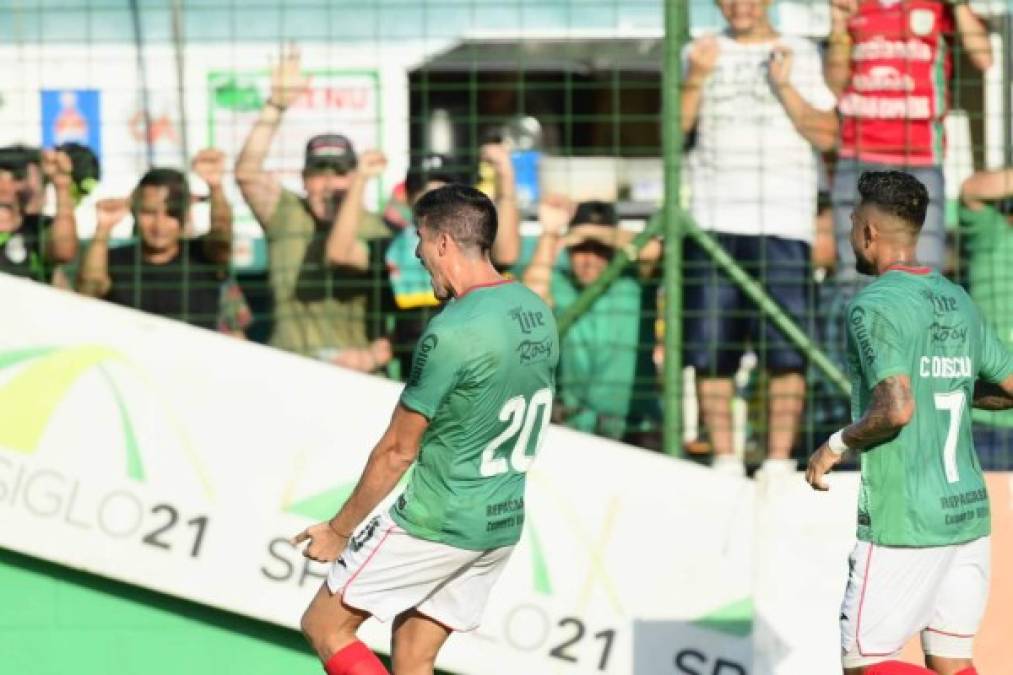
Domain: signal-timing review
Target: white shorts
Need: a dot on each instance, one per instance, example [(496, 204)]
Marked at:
[(895, 592), (385, 571)]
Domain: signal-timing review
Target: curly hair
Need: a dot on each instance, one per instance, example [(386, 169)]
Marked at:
[(896, 193)]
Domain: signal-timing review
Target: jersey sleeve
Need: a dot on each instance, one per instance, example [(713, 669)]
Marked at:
[(878, 342), (436, 368), (996, 359)]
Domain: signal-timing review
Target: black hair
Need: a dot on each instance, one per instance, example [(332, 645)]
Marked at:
[(463, 212), (177, 202), (896, 193), (85, 168)]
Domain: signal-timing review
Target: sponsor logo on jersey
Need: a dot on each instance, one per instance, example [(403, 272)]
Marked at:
[(527, 320), (426, 346), (941, 333), (534, 351), (861, 333), (879, 48), (922, 21)]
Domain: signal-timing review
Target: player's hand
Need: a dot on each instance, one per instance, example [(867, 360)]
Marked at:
[(820, 464), (287, 79), (779, 69), (703, 56), (209, 164), (57, 167), (325, 545), (371, 164)]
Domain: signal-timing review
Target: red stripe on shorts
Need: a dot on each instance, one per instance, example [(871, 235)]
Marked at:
[(943, 632), (861, 602), (366, 561)]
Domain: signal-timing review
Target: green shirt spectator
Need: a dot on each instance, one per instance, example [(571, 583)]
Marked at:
[(598, 359), (989, 240), (598, 356)]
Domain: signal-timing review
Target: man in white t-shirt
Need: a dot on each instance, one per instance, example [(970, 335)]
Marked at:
[(761, 110)]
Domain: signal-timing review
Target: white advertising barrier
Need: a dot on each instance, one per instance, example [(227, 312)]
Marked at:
[(180, 460)]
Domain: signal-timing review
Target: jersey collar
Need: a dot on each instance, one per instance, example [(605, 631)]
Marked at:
[(490, 284), (908, 268)]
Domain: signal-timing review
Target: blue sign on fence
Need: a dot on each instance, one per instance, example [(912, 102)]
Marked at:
[(71, 115)]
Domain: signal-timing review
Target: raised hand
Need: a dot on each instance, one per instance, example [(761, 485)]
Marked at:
[(57, 167), (109, 212), (703, 56), (209, 165), (498, 156), (371, 163), (841, 12), (287, 79), (779, 69), (554, 213)]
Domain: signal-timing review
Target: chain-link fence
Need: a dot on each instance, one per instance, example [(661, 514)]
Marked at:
[(321, 122)]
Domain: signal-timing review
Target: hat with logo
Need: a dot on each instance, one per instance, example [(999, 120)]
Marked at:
[(595, 213), (330, 151)]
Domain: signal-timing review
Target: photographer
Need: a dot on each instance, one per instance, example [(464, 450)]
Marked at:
[(31, 244)]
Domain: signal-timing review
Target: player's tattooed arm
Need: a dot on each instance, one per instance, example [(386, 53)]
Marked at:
[(991, 396), (891, 409)]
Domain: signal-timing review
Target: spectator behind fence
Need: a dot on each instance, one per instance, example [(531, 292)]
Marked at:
[(890, 64), (165, 273), (318, 246), (32, 244), (986, 217), (411, 285), (760, 107), (598, 356)]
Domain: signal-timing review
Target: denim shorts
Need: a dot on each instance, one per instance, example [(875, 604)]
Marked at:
[(721, 322)]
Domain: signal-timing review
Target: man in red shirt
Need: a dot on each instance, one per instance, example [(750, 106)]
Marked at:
[(889, 62)]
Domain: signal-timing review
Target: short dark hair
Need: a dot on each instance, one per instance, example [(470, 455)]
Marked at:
[(463, 212), (896, 193), (177, 202)]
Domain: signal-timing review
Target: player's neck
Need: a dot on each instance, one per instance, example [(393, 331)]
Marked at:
[(903, 258), (471, 274)]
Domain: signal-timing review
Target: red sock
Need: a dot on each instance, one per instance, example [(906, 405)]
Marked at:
[(896, 668), (354, 659), (968, 671)]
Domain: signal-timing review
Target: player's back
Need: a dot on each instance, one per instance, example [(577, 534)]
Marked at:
[(484, 376), (924, 487)]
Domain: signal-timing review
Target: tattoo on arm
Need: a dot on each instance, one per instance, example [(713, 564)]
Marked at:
[(891, 408), (989, 396)]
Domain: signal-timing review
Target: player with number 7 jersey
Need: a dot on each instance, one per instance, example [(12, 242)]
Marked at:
[(484, 374), (919, 355)]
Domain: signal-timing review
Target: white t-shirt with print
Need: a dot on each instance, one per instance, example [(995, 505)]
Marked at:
[(751, 172)]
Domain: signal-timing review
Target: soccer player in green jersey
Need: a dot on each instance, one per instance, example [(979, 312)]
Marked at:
[(471, 418), (919, 355)]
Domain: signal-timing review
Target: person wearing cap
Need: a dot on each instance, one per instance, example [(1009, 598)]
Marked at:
[(321, 247), (598, 356)]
